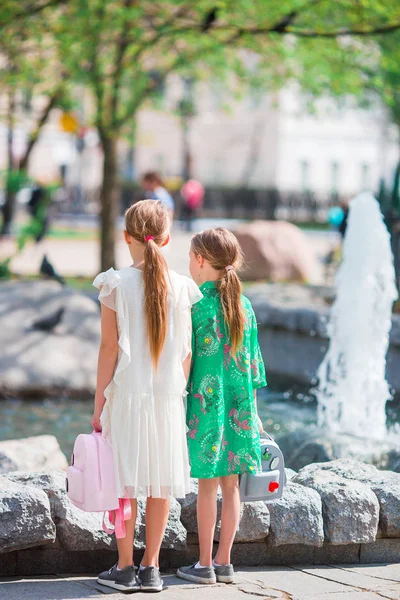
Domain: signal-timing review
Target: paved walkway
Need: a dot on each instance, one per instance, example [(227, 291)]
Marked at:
[(82, 257), (339, 582)]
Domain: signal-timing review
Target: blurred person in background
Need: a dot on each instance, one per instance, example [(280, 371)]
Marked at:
[(38, 207), (155, 190), (192, 193)]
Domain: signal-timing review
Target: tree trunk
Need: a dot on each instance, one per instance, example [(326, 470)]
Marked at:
[(186, 154), (9, 202), (109, 202)]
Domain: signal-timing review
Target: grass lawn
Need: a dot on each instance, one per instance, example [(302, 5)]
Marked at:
[(64, 233)]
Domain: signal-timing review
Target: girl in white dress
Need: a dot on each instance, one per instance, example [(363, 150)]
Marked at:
[(144, 362)]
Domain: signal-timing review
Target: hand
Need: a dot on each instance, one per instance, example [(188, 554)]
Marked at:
[(260, 425), (96, 422)]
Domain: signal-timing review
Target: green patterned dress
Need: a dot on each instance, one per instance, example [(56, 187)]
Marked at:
[(223, 436)]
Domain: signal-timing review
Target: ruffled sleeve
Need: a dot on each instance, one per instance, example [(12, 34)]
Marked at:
[(107, 283), (194, 294), (112, 295)]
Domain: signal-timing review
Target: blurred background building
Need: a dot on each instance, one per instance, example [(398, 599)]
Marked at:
[(261, 141)]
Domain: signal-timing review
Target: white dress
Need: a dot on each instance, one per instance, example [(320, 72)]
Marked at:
[(144, 416)]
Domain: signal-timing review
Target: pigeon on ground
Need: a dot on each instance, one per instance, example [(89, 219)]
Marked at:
[(209, 19), (48, 324), (46, 268)]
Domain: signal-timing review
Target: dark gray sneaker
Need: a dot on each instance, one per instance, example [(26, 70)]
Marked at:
[(150, 579), (205, 575), (224, 573), (123, 580)]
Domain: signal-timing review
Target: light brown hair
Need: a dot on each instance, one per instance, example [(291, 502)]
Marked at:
[(148, 222), (153, 178), (221, 249)]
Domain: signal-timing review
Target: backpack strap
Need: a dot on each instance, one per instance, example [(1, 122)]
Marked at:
[(117, 518)]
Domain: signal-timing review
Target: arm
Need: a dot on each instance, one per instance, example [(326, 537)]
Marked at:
[(108, 355)]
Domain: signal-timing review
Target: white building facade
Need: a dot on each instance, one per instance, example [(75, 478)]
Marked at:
[(258, 142)]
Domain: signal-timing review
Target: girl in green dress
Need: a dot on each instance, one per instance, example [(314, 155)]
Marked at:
[(227, 370)]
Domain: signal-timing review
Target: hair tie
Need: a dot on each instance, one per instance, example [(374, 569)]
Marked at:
[(148, 238), (229, 268)]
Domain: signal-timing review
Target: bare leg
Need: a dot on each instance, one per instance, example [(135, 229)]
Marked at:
[(157, 511), (125, 545), (230, 517), (206, 518)]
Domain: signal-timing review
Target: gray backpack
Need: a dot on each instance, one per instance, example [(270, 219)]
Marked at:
[(267, 485)]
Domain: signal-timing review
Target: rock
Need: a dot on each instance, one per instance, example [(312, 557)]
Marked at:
[(33, 362), (350, 509), (297, 517), (189, 508), (76, 530), (175, 533), (290, 474), (277, 251), (306, 446), (81, 531), (384, 484), (388, 495), (253, 525), (39, 453), (254, 521), (25, 518)]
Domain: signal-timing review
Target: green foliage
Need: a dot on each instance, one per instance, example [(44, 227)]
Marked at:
[(5, 272), (14, 180), (116, 47)]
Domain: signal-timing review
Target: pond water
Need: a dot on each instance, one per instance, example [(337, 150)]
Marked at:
[(284, 407)]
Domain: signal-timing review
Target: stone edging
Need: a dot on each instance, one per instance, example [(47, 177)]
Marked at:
[(338, 512)]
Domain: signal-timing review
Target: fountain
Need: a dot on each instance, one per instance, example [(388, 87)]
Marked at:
[(353, 390)]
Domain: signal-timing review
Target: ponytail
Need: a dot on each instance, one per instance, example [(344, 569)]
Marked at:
[(230, 290), (222, 250), (155, 298), (148, 222)]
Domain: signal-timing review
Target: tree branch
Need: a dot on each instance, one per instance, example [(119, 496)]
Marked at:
[(30, 11), (54, 98)]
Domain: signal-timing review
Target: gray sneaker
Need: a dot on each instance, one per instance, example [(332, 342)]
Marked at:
[(205, 575), (150, 579), (123, 580), (225, 573)]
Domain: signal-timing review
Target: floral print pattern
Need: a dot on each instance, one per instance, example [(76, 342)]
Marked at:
[(223, 435)]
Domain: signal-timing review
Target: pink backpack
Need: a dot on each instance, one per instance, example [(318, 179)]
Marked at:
[(91, 481)]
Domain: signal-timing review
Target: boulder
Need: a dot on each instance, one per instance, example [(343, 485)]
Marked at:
[(350, 509), (76, 530), (35, 362), (277, 251), (304, 447), (297, 517), (25, 518), (384, 484), (254, 520), (253, 524), (81, 531), (175, 533), (38, 453), (189, 508), (290, 474)]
